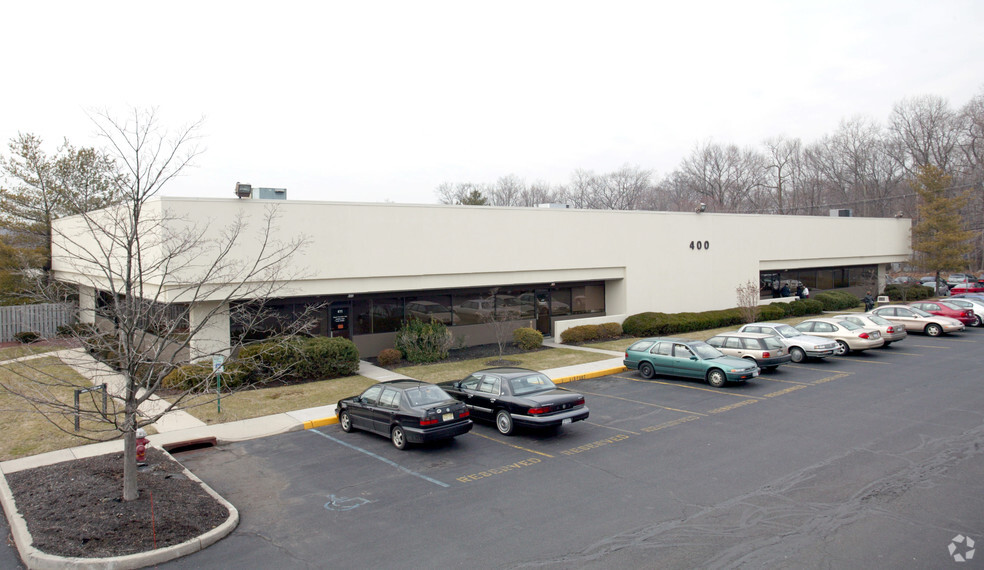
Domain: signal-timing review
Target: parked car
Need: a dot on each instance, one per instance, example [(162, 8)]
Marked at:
[(849, 336), (891, 332), (917, 320), (969, 287), (406, 411), (973, 304), (763, 349), (958, 278), (687, 358), (978, 296), (800, 345), (512, 397), (944, 309)]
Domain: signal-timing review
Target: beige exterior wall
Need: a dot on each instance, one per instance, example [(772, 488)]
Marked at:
[(644, 257)]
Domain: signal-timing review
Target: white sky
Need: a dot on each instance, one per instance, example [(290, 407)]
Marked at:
[(374, 101)]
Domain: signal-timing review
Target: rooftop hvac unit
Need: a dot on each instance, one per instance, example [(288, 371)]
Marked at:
[(243, 190), (271, 193), (845, 213), (553, 205)]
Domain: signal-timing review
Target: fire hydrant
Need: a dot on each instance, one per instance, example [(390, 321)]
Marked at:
[(142, 444)]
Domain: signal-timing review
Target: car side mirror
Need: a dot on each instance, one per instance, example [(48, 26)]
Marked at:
[(694, 358)]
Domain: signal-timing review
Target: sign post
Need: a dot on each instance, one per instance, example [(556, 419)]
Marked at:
[(218, 367)]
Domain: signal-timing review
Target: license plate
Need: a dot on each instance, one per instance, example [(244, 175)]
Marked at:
[(448, 417), (566, 421), (754, 374)]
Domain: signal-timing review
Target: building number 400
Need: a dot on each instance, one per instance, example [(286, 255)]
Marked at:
[(700, 245)]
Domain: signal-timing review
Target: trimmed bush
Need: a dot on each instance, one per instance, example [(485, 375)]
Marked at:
[(836, 300), (805, 307), (528, 338), (424, 342), (328, 357), (664, 324), (905, 293), (774, 311), (587, 333), (388, 357), (284, 357), (27, 337), (188, 377)]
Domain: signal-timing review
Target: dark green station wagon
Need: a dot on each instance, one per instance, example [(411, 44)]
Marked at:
[(688, 359)]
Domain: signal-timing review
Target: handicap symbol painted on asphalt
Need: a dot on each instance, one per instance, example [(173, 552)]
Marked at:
[(345, 504)]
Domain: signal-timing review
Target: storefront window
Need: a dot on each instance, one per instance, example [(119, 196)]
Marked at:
[(588, 299)]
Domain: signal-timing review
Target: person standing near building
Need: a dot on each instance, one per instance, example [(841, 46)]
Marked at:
[(869, 301)]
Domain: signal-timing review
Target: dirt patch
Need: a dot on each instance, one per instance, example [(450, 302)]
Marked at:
[(75, 508)]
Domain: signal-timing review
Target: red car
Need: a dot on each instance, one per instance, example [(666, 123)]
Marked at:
[(972, 287), (944, 309)]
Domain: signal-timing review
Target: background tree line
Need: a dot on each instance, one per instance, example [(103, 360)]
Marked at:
[(864, 165)]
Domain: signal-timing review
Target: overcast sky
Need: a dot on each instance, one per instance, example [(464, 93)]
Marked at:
[(377, 101)]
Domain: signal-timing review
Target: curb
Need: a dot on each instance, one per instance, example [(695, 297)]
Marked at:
[(34, 558)]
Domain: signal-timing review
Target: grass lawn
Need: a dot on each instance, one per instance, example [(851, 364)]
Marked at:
[(248, 404), (27, 431), (11, 352), (539, 360)]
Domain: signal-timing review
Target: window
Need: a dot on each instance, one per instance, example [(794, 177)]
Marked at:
[(390, 398), (663, 349), (641, 345), (371, 396), (752, 343), (490, 385), (588, 299), (733, 342), (471, 383), (682, 351)]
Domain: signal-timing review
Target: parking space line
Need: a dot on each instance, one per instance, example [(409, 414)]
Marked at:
[(906, 353), (962, 340), (829, 378), (509, 444), (381, 458), (784, 381), (639, 402), (861, 361), (610, 427), (712, 391), (824, 370), (929, 346)]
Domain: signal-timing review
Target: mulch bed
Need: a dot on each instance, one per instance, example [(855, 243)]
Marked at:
[(490, 351), (75, 508)]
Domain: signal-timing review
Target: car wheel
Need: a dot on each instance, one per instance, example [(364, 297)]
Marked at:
[(797, 355), (770, 368), (934, 329), (503, 422), (646, 370), (716, 378), (977, 321), (887, 342), (842, 348), (398, 437), (345, 420)]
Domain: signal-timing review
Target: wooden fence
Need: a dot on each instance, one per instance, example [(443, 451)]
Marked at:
[(43, 319)]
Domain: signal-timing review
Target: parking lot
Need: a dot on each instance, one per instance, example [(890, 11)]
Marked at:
[(874, 456)]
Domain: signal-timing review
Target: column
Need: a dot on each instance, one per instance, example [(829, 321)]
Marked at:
[(213, 338)]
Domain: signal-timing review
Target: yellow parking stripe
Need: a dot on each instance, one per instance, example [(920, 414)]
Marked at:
[(711, 390), (861, 361), (509, 444), (783, 381), (824, 370), (640, 402), (610, 427)]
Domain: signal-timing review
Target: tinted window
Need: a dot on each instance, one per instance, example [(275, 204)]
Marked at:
[(642, 345), (426, 395), (531, 384), (372, 394), (472, 381), (490, 385), (390, 398)]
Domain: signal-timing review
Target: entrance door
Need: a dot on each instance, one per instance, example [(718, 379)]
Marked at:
[(339, 320), (542, 309)]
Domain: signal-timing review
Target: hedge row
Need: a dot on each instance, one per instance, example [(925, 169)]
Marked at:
[(837, 300), (663, 324), (318, 358), (909, 292), (588, 333)]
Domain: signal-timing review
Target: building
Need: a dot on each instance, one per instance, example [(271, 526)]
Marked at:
[(372, 265)]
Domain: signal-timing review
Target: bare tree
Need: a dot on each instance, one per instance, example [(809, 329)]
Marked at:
[(748, 301), (923, 131), (165, 280), (726, 177)]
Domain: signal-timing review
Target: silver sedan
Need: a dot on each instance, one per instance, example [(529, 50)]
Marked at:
[(848, 335)]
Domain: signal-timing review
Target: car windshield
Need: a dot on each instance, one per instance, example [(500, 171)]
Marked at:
[(787, 331), (426, 395), (530, 384), (705, 350), (952, 307)]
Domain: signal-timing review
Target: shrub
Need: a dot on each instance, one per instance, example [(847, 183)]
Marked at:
[(907, 293), (424, 342), (661, 324), (187, 377), (388, 357), (609, 330), (78, 329), (328, 357), (836, 300), (27, 337), (774, 311), (281, 357), (805, 307), (583, 333), (528, 338)]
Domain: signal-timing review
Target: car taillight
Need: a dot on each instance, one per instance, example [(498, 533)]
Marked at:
[(766, 354), (464, 413), (540, 410), (891, 329), (428, 421), (579, 402), (863, 335)]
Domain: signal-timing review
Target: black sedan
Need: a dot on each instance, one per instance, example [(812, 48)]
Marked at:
[(406, 411), (513, 397)]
